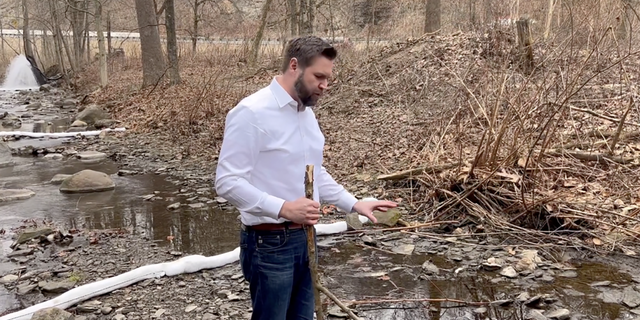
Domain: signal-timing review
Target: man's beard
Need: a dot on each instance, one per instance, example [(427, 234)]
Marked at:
[(304, 94)]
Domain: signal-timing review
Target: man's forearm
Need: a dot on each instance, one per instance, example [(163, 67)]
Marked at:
[(333, 192)]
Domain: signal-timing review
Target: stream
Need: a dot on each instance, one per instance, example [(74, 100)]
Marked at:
[(352, 268)]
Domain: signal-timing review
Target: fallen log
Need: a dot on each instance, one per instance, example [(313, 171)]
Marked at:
[(414, 172), (595, 157)]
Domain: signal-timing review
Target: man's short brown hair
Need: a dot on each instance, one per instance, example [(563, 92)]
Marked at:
[(305, 49)]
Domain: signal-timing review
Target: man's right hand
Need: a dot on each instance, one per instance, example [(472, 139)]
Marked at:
[(302, 211)]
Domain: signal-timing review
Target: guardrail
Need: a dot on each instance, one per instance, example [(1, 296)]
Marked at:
[(206, 39)]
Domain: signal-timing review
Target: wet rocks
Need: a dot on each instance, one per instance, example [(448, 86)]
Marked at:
[(630, 297), (353, 221), (509, 272), (91, 156), (91, 114), (34, 106), (15, 194), (104, 123), (57, 286), (389, 218), (560, 314), (5, 156), (52, 314), (58, 178), (10, 278), (429, 268), (173, 206), (87, 181), (79, 123), (404, 249)]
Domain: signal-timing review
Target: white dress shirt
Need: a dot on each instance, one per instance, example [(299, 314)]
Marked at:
[(266, 147)]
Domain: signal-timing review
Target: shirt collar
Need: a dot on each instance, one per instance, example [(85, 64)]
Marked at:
[(282, 96)]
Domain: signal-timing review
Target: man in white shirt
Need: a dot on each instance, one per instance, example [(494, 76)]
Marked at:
[(269, 138)]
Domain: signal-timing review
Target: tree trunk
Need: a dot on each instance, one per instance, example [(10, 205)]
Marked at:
[(77, 29), (102, 55), (255, 48), (472, 13), (372, 23), (432, 16), (109, 49), (292, 9), (28, 50), (306, 16), (56, 36), (172, 42), (153, 64), (196, 20), (2, 39), (547, 27)]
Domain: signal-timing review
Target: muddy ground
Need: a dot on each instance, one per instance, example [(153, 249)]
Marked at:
[(164, 208)]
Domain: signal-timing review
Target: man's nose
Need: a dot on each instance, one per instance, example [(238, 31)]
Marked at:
[(324, 84)]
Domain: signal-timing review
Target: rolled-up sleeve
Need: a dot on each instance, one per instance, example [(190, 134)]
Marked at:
[(238, 154), (332, 192)]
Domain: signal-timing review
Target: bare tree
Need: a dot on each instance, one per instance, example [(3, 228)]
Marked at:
[(153, 64), (28, 50), (547, 28), (432, 15), (255, 48), (196, 6), (172, 42), (292, 10), (102, 55), (306, 16)]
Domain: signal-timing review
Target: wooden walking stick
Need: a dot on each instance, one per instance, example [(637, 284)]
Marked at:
[(311, 244), (313, 265)]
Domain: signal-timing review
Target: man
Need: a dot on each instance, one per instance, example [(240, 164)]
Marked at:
[(269, 138)]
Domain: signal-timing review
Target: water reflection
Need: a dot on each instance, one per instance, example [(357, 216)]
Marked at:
[(364, 274), (208, 231)]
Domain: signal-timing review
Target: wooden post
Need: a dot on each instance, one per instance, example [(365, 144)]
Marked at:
[(313, 265), (524, 44), (311, 244)]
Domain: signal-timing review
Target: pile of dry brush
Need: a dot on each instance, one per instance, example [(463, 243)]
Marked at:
[(456, 125)]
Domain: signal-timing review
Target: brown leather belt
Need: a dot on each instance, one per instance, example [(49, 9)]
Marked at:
[(275, 226)]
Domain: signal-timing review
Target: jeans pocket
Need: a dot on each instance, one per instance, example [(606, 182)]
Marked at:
[(270, 242)]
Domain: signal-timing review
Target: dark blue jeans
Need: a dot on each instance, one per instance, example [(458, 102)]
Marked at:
[(276, 265)]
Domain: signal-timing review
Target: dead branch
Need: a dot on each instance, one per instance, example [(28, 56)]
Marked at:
[(413, 172), (619, 131), (337, 301), (602, 116), (424, 225), (595, 157), (461, 302)]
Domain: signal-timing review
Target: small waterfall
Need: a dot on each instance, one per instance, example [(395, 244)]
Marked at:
[(20, 75)]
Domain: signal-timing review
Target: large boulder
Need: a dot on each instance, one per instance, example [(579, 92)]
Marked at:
[(52, 314), (87, 181), (5, 156), (91, 114)]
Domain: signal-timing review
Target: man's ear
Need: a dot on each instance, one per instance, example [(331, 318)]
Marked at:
[(293, 64)]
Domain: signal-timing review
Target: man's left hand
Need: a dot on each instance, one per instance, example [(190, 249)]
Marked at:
[(366, 208)]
